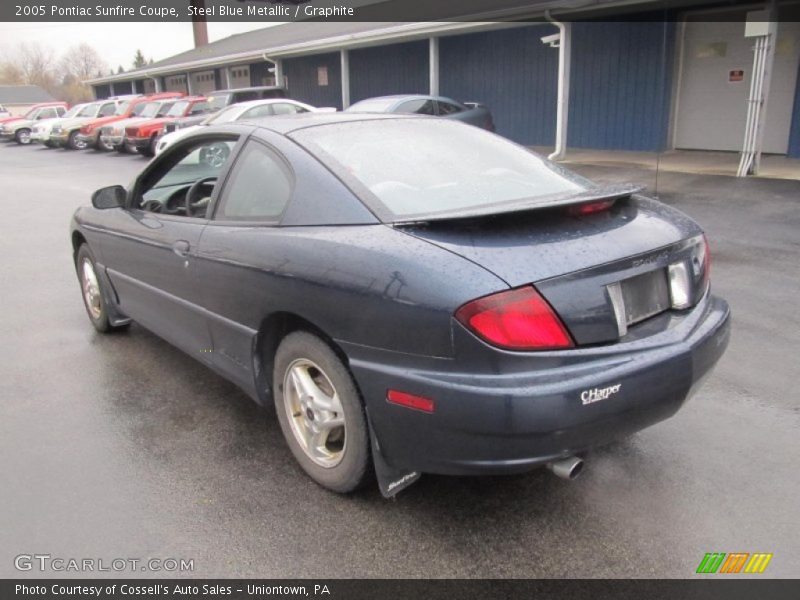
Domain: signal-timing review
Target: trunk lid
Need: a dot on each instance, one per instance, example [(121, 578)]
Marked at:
[(601, 272)]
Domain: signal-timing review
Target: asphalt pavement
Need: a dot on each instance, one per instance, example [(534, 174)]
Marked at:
[(121, 446)]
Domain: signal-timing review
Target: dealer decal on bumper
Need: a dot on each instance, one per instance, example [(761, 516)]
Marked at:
[(596, 394)]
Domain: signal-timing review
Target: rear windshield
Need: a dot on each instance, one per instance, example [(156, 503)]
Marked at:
[(421, 167), (378, 105)]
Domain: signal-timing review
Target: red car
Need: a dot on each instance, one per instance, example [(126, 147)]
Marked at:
[(90, 132), (35, 112), (144, 136)]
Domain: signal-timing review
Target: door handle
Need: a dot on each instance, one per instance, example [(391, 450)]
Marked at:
[(181, 248)]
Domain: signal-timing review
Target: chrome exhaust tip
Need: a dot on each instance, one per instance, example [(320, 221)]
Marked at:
[(566, 468)]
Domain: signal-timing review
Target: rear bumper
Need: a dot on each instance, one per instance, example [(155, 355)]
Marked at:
[(505, 422)]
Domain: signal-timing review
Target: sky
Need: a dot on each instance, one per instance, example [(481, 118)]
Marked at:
[(117, 42)]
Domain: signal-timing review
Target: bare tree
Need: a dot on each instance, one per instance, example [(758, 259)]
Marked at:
[(36, 64), (82, 62)]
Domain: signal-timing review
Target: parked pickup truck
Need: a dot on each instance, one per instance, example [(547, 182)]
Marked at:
[(144, 136), (114, 135), (19, 128), (65, 134), (222, 98), (40, 131), (91, 131)]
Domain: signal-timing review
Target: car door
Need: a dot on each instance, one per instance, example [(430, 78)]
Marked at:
[(240, 251), (150, 255)]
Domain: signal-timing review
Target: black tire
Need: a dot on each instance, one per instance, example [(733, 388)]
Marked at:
[(98, 311), (50, 144), (353, 467), (120, 148), (101, 147), (150, 150), (73, 143), (23, 136)]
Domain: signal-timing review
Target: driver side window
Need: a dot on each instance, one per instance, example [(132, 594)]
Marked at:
[(184, 184)]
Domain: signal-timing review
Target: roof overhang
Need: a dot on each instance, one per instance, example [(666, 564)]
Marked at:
[(396, 33)]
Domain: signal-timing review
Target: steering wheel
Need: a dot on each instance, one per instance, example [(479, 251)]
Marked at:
[(193, 206)]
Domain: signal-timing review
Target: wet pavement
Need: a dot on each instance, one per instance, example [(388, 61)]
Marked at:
[(121, 446)]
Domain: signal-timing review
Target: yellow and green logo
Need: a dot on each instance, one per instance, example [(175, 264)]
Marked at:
[(735, 562)]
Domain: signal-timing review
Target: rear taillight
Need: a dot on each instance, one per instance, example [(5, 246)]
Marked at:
[(517, 319)]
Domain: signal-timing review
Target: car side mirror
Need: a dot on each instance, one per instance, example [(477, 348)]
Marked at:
[(112, 196)]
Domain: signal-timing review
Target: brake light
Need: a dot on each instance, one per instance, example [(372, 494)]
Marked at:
[(410, 401), (589, 208), (517, 319)]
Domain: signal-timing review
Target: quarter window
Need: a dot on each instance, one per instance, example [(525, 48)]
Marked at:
[(447, 108), (258, 188), (284, 108)]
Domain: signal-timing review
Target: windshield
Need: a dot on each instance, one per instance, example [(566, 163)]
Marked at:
[(218, 101), (122, 107), (420, 168), (224, 116), (137, 110), (379, 105), (150, 109), (178, 109), (163, 110), (73, 111), (89, 110)]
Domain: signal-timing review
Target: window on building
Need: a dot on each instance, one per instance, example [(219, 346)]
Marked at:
[(322, 76)]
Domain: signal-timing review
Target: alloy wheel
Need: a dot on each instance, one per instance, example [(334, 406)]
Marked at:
[(91, 290), (315, 412)]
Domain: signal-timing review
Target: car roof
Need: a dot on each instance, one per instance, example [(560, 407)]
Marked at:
[(286, 124), (400, 97), (256, 88)]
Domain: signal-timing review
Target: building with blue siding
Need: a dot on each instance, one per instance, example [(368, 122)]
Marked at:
[(651, 82)]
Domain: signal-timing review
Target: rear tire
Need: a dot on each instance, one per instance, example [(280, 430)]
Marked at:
[(320, 413), (23, 136), (92, 291)]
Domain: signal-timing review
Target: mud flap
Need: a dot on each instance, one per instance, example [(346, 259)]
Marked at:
[(391, 481)]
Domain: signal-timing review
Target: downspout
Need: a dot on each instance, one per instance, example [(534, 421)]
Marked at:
[(278, 64), (562, 105)]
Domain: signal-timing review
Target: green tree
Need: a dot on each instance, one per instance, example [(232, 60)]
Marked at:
[(139, 60)]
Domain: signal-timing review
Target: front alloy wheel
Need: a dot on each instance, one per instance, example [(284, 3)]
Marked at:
[(320, 412), (23, 136), (92, 291), (74, 142)]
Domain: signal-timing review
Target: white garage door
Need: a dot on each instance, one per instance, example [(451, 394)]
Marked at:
[(717, 63)]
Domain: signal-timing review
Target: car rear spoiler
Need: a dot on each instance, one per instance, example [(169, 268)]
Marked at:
[(595, 194)]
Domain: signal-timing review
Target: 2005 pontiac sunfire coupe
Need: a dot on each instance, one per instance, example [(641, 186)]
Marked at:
[(414, 295)]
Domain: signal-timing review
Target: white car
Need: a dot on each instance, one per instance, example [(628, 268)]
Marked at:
[(242, 111), (40, 133)]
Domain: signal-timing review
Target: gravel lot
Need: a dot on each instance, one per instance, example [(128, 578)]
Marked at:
[(122, 446)]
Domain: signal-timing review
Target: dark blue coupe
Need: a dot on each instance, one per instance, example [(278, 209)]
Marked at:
[(415, 295)]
